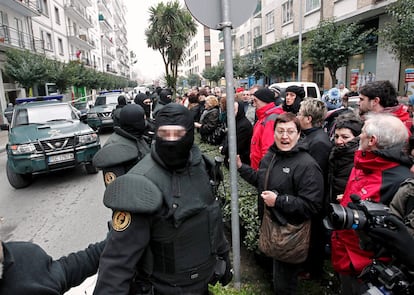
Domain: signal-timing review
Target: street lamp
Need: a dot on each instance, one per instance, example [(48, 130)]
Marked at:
[(300, 43)]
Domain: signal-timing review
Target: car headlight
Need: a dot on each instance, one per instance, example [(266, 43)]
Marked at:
[(87, 138), (92, 115), (18, 149)]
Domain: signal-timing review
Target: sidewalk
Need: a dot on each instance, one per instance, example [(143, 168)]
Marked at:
[(3, 140)]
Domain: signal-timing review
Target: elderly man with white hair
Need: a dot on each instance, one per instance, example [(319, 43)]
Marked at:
[(380, 166)]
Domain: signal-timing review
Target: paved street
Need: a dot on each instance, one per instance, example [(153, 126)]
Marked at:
[(62, 212)]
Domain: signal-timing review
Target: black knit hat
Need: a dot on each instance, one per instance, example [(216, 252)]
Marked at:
[(265, 95), (349, 121), (298, 90)]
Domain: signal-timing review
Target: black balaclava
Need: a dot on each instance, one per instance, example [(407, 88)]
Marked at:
[(132, 119), (165, 96), (122, 100), (139, 100), (175, 154)]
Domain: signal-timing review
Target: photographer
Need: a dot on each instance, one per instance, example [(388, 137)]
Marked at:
[(380, 167)]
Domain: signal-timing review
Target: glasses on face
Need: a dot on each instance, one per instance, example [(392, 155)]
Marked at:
[(288, 132)]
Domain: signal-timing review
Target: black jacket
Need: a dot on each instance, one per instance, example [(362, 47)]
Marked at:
[(209, 122), (341, 161), (28, 269), (244, 132), (296, 177)]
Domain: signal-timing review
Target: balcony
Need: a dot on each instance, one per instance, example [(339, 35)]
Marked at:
[(108, 54), (22, 7), (11, 37), (104, 6), (106, 40), (80, 40), (78, 14), (104, 24)]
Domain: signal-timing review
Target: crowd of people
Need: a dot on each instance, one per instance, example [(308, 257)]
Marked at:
[(302, 154)]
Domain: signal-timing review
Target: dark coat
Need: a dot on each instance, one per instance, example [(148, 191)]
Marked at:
[(244, 132), (341, 161), (209, 122), (296, 177), (28, 269)]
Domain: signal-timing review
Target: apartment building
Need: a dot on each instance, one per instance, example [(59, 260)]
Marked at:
[(274, 20), (203, 51), (91, 32)]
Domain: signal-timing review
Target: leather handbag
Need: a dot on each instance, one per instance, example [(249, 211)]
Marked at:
[(284, 242), (288, 243)]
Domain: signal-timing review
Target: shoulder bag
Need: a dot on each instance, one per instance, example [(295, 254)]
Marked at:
[(284, 242)]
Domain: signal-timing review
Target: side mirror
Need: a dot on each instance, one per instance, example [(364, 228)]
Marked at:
[(4, 127)]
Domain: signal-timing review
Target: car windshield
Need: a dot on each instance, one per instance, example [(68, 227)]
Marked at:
[(43, 114), (108, 99)]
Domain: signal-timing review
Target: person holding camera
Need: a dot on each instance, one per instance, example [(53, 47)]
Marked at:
[(380, 166)]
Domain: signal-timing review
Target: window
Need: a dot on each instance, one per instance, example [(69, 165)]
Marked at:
[(47, 40), (287, 11), (270, 21), (249, 38), (242, 41), (57, 16), (60, 44), (42, 7), (312, 5), (256, 32)]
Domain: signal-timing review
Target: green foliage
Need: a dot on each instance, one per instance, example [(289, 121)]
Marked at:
[(193, 80), (331, 44), (29, 69), (214, 73), (170, 30), (26, 68), (398, 34), (281, 59)]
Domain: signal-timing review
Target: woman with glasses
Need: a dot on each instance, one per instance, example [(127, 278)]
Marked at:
[(290, 184)]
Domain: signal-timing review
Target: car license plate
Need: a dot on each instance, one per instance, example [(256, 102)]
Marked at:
[(61, 158)]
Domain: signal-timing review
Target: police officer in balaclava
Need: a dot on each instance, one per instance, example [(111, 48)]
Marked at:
[(165, 97), (165, 212), (126, 146)]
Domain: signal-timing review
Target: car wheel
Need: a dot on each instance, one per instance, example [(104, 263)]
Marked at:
[(90, 168), (18, 180)]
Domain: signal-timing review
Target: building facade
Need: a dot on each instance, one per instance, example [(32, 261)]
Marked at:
[(204, 51), (91, 32), (275, 20)]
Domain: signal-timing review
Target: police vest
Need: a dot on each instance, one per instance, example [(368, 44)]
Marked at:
[(187, 231)]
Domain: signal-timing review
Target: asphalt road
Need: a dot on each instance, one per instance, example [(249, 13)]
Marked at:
[(62, 212)]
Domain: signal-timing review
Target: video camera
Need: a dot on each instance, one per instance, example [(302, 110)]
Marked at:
[(358, 215), (385, 279), (364, 215)]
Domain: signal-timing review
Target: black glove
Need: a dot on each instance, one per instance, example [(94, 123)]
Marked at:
[(396, 239), (228, 273)]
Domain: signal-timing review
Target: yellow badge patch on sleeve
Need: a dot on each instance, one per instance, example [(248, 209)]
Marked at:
[(109, 177), (121, 220)]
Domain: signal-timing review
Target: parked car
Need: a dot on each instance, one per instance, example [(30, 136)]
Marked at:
[(99, 115), (46, 136), (311, 88)]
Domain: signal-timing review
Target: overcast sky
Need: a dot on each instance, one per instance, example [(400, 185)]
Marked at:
[(149, 63)]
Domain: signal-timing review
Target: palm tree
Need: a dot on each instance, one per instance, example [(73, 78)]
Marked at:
[(170, 30)]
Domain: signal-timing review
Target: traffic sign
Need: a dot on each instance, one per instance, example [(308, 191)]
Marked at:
[(209, 13)]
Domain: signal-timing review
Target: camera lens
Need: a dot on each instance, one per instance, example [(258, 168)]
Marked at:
[(344, 218)]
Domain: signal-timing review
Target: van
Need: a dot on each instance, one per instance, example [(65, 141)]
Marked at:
[(311, 88)]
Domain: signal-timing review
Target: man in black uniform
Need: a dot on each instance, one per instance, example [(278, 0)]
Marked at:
[(126, 146), (25, 268), (116, 113), (167, 235)]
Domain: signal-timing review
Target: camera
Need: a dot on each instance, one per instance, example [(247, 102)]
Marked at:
[(385, 279), (357, 215)]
